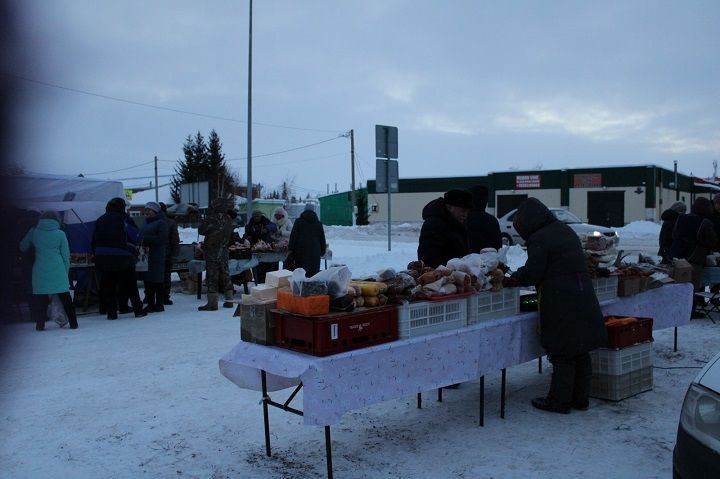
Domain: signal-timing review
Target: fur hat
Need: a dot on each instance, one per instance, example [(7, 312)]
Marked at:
[(153, 206), (309, 206), (459, 198), (679, 207), (280, 211), (480, 196)]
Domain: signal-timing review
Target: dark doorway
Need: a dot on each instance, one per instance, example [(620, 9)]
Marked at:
[(506, 203), (606, 208)]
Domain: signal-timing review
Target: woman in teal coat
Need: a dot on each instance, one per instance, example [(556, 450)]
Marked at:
[(50, 268)]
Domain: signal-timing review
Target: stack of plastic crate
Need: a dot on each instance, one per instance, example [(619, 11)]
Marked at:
[(605, 288), (626, 368), (487, 305)]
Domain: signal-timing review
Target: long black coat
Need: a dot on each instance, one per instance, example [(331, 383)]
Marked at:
[(668, 217), (110, 241), (693, 238), (307, 243), (570, 318), (442, 237)]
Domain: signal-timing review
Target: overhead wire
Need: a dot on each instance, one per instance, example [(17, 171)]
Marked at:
[(164, 108)]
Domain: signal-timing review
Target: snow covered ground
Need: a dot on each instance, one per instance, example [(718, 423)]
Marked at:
[(144, 398)]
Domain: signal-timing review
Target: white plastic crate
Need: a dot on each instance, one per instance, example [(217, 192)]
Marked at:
[(615, 388), (427, 317), (615, 362), (487, 305), (605, 288)]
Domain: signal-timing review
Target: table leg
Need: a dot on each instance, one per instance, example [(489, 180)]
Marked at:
[(328, 452), (419, 401), (482, 401), (675, 338), (199, 285), (263, 377), (440, 394), (502, 393), (540, 365)]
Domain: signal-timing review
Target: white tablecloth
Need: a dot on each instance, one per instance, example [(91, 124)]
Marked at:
[(337, 384)]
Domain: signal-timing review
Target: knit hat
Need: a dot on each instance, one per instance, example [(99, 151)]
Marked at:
[(459, 198), (50, 215), (480, 196), (679, 207), (153, 206), (309, 206)]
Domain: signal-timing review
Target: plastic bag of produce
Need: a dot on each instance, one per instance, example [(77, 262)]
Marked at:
[(337, 279)]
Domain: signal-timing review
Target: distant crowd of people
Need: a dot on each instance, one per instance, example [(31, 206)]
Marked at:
[(124, 254)]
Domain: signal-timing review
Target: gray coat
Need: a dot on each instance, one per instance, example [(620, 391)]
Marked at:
[(155, 235)]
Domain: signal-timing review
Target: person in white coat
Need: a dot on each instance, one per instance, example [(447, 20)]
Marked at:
[(284, 225)]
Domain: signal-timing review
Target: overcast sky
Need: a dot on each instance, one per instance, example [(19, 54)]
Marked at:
[(473, 86)]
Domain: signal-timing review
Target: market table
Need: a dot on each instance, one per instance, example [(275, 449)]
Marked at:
[(334, 385)]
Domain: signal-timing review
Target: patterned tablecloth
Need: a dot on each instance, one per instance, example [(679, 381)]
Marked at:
[(338, 384)]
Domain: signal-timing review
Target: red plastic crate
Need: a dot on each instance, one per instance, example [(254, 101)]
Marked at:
[(623, 336), (337, 332)]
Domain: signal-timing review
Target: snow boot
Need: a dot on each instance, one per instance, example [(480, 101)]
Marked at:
[(212, 303)]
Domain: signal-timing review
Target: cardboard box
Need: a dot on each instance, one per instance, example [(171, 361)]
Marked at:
[(257, 323), (628, 285), (682, 271), (278, 279), (264, 292)]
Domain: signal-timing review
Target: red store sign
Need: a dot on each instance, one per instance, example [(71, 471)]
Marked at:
[(527, 181)]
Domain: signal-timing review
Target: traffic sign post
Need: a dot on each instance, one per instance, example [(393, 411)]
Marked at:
[(386, 170)]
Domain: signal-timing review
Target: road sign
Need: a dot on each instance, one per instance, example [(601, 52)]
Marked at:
[(382, 179), (386, 141)]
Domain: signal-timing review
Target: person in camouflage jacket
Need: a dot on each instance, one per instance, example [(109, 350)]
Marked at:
[(217, 227)]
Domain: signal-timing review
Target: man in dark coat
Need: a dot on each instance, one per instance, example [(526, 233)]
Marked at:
[(694, 238), (571, 323), (482, 227), (217, 227), (669, 217), (443, 235), (112, 247), (173, 249), (260, 228), (307, 242), (155, 237)]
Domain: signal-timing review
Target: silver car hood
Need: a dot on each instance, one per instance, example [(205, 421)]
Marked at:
[(587, 229), (710, 375)]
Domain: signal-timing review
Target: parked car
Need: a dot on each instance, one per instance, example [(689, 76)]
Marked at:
[(511, 237), (697, 447)]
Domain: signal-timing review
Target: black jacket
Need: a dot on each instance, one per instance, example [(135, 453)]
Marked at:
[(693, 238), (442, 237), (668, 217), (110, 241), (570, 318), (483, 231), (307, 243)]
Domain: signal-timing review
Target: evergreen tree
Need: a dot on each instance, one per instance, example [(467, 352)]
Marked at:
[(362, 217), (204, 162)]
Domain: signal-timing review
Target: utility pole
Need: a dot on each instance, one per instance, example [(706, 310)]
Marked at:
[(156, 182), (352, 176), (677, 187), (249, 122)]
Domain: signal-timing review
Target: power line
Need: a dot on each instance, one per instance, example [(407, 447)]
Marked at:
[(163, 108), (287, 151), (121, 169)]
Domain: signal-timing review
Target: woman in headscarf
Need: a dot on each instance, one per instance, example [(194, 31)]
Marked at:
[(50, 268), (155, 236), (283, 223)]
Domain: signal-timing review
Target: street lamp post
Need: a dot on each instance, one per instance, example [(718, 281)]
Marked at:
[(249, 123)]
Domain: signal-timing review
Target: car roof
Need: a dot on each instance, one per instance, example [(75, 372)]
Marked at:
[(710, 374)]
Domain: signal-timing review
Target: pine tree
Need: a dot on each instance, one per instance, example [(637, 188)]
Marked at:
[(362, 217), (204, 162)]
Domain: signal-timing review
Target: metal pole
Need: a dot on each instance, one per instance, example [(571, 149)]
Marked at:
[(156, 182), (677, 187), (352, 176), (266, 419), (387, 182), (249, 206), (328, 453)]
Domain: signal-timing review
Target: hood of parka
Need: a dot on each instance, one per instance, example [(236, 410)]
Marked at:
[(532, 215)]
